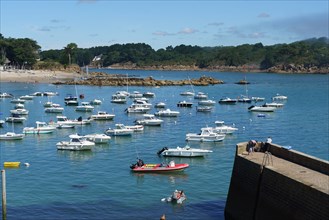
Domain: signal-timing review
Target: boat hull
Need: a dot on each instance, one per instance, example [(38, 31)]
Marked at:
[(158, 168), (185, 153)]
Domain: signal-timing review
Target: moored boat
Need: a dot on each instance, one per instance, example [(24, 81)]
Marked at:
[(11, 136), (184, 104), (261, 108), (223, 129), (167, 113), (15, 119), (41, 128), (158, 168), (186, 151), (149, 120), (119, 130), (76, 143), (19, 111), (102, 115), (84, 107), (227, 100), (98, 138), (206, 135)]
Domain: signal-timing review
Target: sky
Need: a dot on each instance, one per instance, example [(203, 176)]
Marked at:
[(53, 24)]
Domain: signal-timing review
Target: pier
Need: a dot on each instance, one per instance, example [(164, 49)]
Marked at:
[(277, 184)]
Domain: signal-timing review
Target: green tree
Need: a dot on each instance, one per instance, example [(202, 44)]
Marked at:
[(69, 50)]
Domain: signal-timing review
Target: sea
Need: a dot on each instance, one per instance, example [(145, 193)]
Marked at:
[(100, 185)]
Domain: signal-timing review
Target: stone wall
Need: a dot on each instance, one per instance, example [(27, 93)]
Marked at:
[(258, 192)]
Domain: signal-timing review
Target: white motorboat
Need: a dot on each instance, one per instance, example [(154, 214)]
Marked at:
[(102, 115), (203, 108), (227, 100), (149, 94), (135, 94), (15, 119), (160, 105), (98, 138), (261, 109), (76, 143), (186, 151), (20, 111), (63, 120), (135, 128), (223, 129), (184, 104), (19, 106), (119, 99), (54, 108), (95, 102), (149, 120), (5, 95), (11, 136), (22, 101), (279, 97), (1, 122), (274, 104), (206, 135), (201, 95), (37, 94), (187, 93), (84, 107), (141, 102), (257, 99), (119, 130), (71, 100), (48, 104), (244, 99), (27, 97), (47, 93), (207, 102), (167, 113), (137, 109), (41, 128)]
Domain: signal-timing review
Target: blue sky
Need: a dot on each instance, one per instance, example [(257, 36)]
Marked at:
[(88, 23)]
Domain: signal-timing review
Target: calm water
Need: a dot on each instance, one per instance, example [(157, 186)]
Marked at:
[(100, 185)]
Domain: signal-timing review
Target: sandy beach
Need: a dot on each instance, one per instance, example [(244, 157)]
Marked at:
[(36, 76)]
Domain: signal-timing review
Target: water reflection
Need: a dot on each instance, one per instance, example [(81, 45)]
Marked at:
[(171, 177), (76, 155)]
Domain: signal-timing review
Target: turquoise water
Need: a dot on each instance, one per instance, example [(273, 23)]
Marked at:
[(100, 185)]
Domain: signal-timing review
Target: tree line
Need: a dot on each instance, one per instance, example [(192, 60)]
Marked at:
[(308, 53)]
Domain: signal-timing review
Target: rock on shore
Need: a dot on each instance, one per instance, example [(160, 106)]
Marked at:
[(103, 79)]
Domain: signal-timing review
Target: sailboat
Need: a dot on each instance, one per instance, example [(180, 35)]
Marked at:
[(70, 99), (188, 93), (245, 98), (11, 135)]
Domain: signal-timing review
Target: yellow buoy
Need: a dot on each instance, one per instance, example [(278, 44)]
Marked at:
[(11, 164)]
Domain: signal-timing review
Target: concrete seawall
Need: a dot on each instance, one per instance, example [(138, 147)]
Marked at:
[(278, 184)]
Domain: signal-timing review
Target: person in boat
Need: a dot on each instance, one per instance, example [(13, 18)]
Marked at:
[(140, 162)]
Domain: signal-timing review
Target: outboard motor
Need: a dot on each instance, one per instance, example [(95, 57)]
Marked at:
[(251, 107), (160, 151)]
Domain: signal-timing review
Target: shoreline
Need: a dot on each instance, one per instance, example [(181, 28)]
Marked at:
[(51, 76), (36, 76)]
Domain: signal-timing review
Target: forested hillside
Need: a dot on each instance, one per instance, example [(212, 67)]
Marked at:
[(311, 55)]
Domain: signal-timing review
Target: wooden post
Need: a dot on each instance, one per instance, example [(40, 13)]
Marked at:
[(4, 203)]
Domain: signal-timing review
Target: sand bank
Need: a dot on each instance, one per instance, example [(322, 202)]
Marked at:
[(36, 76)]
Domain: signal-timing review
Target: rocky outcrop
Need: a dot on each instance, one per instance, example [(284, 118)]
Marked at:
[(292, 68), (103, 79)]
